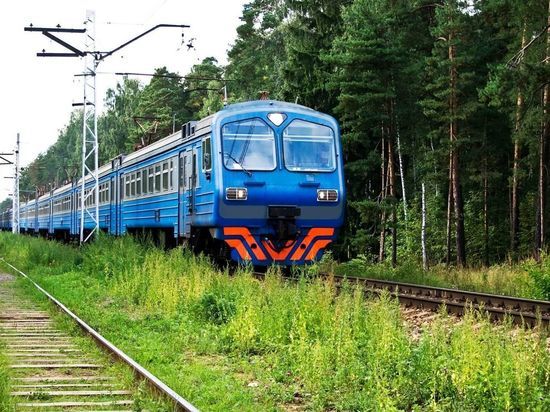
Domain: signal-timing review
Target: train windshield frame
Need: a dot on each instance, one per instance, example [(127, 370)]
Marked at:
[(249, 144), (309, 147)]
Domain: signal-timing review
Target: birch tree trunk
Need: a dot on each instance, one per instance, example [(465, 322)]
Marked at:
[(453, 135), (381, 253), (401, 172), (514, 207), (392, 194), (543, 137)]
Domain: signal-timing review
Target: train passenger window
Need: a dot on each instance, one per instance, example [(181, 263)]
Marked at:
[(157, 178), (127, 186), (151, 188), (171, 174), (165, 176), (133, 185), (138, 183), (180, 172), (206, 155), (144, 181), (195, 167)]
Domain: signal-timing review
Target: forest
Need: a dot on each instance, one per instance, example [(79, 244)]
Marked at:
[(443, 107)]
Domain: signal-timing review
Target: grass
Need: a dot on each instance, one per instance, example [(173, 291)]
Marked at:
[(235, 343), (5, 400), (526, 279)]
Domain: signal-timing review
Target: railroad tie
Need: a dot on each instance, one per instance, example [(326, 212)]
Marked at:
[(49, 370)]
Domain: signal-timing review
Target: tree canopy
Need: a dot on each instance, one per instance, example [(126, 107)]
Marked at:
[(452, 95)]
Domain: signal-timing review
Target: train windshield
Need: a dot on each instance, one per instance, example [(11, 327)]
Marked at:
[(248, 145), (309, 147)]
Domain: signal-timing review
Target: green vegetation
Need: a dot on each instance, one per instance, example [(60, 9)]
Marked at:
[(142, 396), (527, 279), (235, 343), (427, 93), (5, 401)]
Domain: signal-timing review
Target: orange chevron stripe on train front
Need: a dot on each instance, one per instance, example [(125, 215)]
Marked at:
[(304, 248)]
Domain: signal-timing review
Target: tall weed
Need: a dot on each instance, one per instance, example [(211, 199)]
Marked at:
[(332, 348)]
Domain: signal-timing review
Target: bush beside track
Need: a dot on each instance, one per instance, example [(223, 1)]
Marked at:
[(235, 343), (527, 279)]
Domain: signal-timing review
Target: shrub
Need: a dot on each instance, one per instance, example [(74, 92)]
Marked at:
[(217, 308), (540, 275)]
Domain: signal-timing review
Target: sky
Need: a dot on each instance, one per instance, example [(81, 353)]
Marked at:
[(36, 93)]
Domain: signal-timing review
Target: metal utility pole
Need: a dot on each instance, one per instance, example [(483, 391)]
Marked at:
[(90, 146), (4, 161), (16, 213)]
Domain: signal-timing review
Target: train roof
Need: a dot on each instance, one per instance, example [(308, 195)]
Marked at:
[(262, 105), (158, 146), (201, 127)]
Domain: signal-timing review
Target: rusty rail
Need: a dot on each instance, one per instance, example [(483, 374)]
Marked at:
[(180, 404), (521, 310)]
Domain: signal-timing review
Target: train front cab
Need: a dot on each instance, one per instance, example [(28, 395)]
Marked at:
[(281, 184)]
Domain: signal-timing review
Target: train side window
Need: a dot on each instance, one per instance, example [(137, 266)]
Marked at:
[(127, 186), (206, 154), (157, 178), (151, 188), (138, 183), (144, 181), (194, 175), (171, 174), (165, 176), (181, 172), (133, 185)]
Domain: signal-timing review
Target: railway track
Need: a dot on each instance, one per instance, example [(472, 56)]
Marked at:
[(522, 311), (51, 372)]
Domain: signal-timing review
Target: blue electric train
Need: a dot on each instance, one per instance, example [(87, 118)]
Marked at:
[(261, 181)]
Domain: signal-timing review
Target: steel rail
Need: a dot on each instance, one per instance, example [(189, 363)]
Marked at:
[(179, 403), (521, 310)]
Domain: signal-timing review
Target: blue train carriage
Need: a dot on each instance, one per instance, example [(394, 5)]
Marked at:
[(62, 216), (147, 184), (272, 182), (44, 210), (27, 216), (5, 220), (71, 210)]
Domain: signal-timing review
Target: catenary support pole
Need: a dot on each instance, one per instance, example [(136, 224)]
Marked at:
[(16, 213)]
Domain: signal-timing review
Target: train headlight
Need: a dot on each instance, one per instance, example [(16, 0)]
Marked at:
[(236, 193), (276, 118), (327, 195)]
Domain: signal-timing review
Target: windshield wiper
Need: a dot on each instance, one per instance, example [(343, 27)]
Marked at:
[(248, 172)]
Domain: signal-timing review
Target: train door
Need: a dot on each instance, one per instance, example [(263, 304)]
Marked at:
[(193, 183), (72, 212), (181, 194), (187, 198), (113, 205)]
